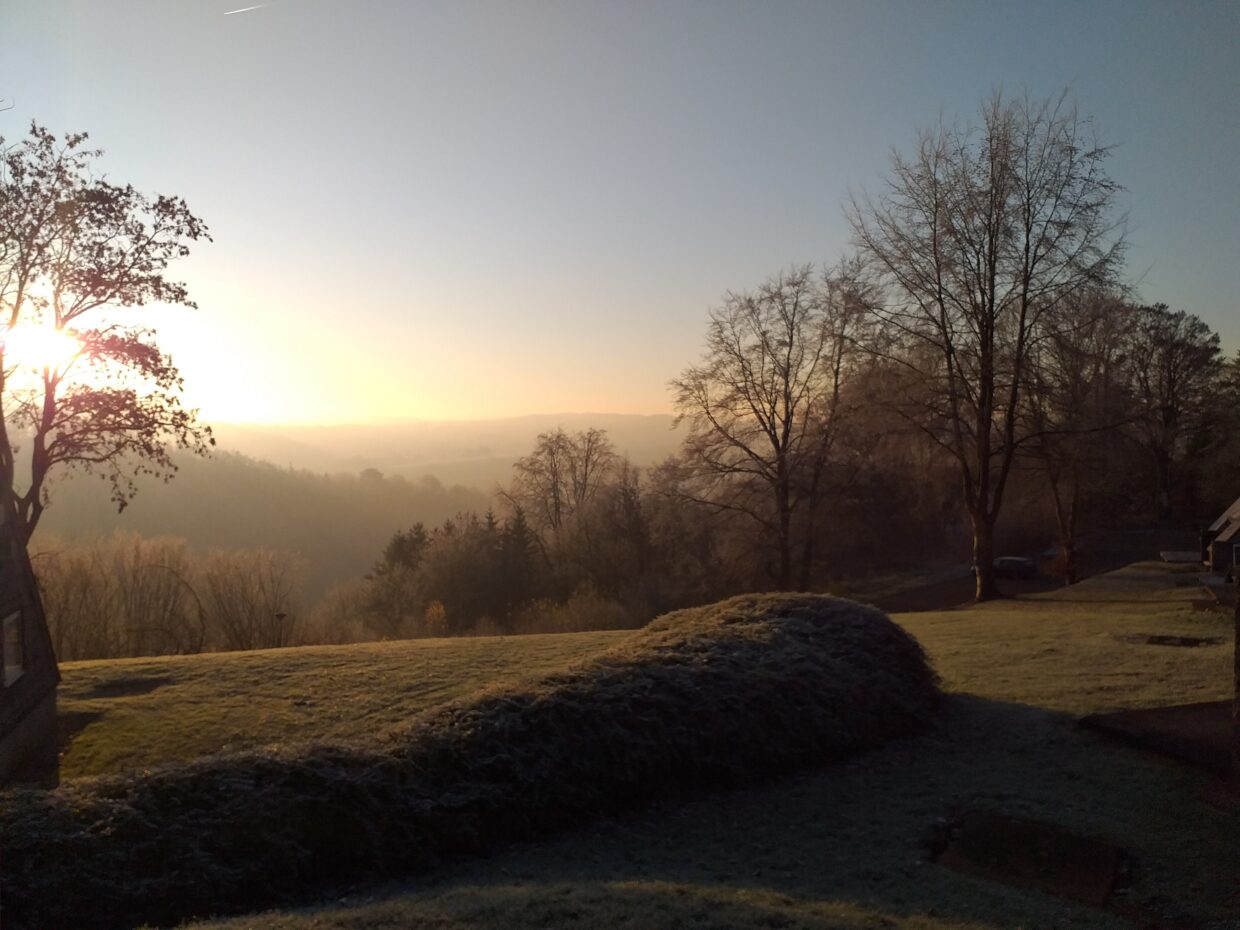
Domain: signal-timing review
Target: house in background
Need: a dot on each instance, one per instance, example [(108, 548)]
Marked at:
[(29, 676), (1220, 541)]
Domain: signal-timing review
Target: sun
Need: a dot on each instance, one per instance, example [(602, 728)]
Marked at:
[(36, 346)]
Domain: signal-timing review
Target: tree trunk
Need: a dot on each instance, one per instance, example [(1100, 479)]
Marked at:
[(984, 558), (1163, 463), (807, 547), (807, 559), (785, 553), (1235, 680), (782, 503), (1065, 522), (1070, 570), (1067, 541)]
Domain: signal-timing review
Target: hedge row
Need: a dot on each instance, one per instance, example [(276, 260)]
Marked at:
[(723, 695)]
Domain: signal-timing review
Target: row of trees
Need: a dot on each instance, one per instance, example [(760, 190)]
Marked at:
[(1105, 384), (574, 550), (831, 481), (126, 595), (981, 335), (984, 312), (807, 462)]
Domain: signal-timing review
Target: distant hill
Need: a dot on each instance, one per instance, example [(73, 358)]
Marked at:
[(301, 488), (475, 453), (337, 523)]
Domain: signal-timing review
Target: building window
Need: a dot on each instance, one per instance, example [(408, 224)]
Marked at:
[(14, 656)]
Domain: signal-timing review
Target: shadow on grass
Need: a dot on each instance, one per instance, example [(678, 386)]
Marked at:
[(1199, 734), (127, 686), (1128, 601), (850, 845), (69, 723)]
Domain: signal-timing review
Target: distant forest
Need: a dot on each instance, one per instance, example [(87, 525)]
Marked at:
[(334, 524)]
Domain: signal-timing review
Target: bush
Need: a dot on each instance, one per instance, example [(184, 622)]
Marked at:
[(715, 696), (339, 617), (585, 610)]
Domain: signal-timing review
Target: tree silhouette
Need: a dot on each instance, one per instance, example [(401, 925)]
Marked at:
[(978, 238), (763, 405), (1176, 382), (76, 253)]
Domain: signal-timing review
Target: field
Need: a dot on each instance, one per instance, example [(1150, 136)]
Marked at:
[(844, 847)]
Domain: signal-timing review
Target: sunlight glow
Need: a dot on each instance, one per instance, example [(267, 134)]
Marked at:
[(39, 345)]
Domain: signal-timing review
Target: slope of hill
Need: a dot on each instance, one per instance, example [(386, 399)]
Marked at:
[(135, 713), (1068, 651), (337, 523), (335, 494)]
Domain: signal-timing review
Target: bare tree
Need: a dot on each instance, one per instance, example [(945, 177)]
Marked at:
[(561, 477), (763, 405), (121, 596), (977, 237), (1076, 403), (250, 597), (1178, 371)]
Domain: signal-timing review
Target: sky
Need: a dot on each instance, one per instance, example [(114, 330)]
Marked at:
[(466, 210)]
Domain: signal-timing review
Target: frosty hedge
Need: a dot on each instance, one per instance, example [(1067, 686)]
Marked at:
[(723, 695)]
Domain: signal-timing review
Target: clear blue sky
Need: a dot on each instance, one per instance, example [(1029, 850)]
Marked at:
[(479, 209)]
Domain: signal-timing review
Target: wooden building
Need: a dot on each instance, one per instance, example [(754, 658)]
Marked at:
[(1220, 541), (28, 745)]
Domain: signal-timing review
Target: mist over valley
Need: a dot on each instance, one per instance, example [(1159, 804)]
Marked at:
[(332, 495)]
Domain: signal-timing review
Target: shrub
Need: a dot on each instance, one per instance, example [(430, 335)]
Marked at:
[(339, 617), (585, 610), (714, 696)]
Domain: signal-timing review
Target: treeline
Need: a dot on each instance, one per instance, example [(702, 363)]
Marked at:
[(128, 596), (586, 541), (1131, 415)]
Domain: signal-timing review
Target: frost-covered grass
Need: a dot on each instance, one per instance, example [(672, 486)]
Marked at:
[(846, 848), (720, 696), (1062, 651), (136, 713), (842, 847), (1072, 650)]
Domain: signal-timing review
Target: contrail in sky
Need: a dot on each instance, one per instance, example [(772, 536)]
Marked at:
[(246, 9)]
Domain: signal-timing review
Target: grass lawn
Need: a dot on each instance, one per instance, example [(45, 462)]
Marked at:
[(135, 713), (1073, 649), (846, 847)]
